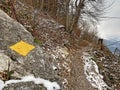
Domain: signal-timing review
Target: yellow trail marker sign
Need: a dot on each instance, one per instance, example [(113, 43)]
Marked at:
[(22, 48)]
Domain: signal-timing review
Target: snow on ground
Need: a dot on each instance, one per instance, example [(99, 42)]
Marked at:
[(92, 73), (49, 85)]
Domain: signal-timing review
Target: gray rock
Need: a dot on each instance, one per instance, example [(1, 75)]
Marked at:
[(4, 62), (12, 31), (37, 62)]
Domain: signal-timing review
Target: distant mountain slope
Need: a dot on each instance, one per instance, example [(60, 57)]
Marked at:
[(112, 44)]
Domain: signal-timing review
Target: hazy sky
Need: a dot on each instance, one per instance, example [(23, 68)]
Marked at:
[(110, 28)]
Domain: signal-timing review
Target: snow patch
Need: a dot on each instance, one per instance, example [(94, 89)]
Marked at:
[(46, 83), (54, 67), (92, 73)]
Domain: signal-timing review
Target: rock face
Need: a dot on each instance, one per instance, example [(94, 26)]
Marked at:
[(11, 31), (4, 62), (37, 62)]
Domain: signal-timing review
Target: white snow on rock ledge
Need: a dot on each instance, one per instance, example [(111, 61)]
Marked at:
[(92, 73), (49, 85)]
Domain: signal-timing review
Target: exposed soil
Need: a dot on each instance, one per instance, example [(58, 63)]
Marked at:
[(76, 79)]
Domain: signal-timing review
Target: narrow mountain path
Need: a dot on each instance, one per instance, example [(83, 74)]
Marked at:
[(76, 78)]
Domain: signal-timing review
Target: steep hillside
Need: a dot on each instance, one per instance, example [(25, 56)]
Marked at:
[(112, 45), (51, 61), (56, 60)]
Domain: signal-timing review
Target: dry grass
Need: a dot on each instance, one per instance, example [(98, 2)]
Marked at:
[(84, 43)]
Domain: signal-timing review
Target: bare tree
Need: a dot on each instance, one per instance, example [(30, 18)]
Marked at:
[(75, 10), (70, 13)]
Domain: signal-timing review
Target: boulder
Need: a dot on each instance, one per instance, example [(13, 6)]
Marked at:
[(37, 62)]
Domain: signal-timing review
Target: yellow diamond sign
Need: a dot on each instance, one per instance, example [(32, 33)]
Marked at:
[(22, 48)]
